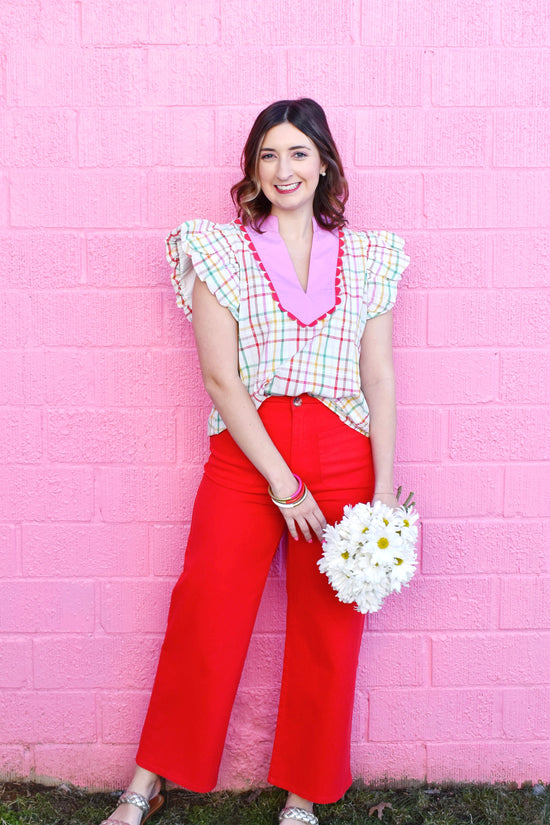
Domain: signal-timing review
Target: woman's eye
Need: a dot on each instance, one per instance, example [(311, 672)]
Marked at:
[(300, 155), (267, 156)]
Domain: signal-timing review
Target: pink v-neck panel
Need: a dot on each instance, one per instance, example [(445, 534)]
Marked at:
[(321, 296)]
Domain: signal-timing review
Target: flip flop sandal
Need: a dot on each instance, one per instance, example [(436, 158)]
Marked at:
[(299, 815), (149, 807)]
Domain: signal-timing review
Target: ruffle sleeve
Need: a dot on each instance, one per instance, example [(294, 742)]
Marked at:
[(385, 262), (202, 249)]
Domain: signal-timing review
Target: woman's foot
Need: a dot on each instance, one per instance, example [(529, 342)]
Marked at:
[(147, 785), (297, 809)]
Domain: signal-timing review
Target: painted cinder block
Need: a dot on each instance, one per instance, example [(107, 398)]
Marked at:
[(167, 544), (525, 376), (213, 75), (113, 23), (91, 766), (16, 762), (121, 723), (156, 494), (380, 76), (263, 665), (445, 260), (377, 761), (45, 716), (16, 662), (154, 377), (419, 434), (177, 195), (384, 200), (482, 318), (441, 137), (38, 137), (85, 662), (389, 658), (525, 23), (111, 436), (520, 138), (525, 712), (525, 603), (411, 319), (16, 325), (482, 761), (53, 607), (490, 77), (75, 550), (171, 136), (498, 434), (247, 752), (271, 616), (47, 260), (9, 552), (21, 377), (394, 23), (456, 603), (68, 376), (488, 546), (45, 493), (503, 198), (193, 443), (20, 435), (110, 319), (76, 198), (126, 259), (433, 715), (526, 490), (489, 659), (453, 376), (469, 490), (75, 76), (521, 259), (33, 23), (277, 25), (138, 606)]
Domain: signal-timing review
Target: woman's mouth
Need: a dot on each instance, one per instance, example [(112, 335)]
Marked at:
[(287, 187)]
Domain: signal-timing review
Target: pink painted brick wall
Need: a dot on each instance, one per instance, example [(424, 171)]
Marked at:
[(119, 119)]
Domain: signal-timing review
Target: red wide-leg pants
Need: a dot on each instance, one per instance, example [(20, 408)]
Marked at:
[(234, 534)]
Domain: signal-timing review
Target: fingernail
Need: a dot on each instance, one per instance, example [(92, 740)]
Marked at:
[(309, 541)]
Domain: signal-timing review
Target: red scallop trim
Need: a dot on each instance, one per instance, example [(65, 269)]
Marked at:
[(337, 299)]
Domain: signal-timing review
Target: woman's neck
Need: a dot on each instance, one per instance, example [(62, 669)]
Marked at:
[(295, 227)]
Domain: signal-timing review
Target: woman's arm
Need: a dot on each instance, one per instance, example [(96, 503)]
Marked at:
[(378, 385), (216, 336)]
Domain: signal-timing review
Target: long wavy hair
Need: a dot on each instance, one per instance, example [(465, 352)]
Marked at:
[(332, 191)]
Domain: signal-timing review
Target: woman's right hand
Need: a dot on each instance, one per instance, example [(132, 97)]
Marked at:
[(306, 517)]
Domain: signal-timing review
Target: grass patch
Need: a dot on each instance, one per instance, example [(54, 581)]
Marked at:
[(22, 804)]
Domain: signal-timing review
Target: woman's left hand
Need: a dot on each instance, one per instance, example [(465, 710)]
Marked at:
[(386, 498)]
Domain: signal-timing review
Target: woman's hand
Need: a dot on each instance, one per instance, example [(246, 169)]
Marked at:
[(306, 517), (386, 498)]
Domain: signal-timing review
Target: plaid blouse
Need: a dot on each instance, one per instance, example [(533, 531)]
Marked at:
[(278, 353)]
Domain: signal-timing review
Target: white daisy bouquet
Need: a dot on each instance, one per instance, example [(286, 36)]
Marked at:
[(371, 552)]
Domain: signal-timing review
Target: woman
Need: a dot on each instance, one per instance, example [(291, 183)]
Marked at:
[(292, 318)]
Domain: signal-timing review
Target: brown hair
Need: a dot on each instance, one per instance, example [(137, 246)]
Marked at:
[(332, 191)]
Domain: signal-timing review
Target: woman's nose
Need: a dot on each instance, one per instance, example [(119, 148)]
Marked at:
[(284, 170)]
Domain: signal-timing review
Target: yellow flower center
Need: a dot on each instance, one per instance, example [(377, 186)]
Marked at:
[(398, 562), (383, 543), (386, 522), (405, 522), (345, 554)]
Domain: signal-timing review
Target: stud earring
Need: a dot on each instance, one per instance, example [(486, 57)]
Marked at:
[(323, 174)]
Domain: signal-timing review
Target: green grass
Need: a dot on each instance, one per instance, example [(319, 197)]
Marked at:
[(425, 805)]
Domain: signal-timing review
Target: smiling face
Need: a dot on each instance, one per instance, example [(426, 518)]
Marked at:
[(289, 166)]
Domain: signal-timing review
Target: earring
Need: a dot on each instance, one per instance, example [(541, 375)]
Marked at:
[(323, 174)]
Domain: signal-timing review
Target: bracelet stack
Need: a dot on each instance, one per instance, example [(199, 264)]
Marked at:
[(294, 500)]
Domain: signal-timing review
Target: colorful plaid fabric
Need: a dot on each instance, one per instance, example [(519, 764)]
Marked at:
[(277, 354)]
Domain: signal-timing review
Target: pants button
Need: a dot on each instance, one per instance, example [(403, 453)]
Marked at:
[(297, 401)]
